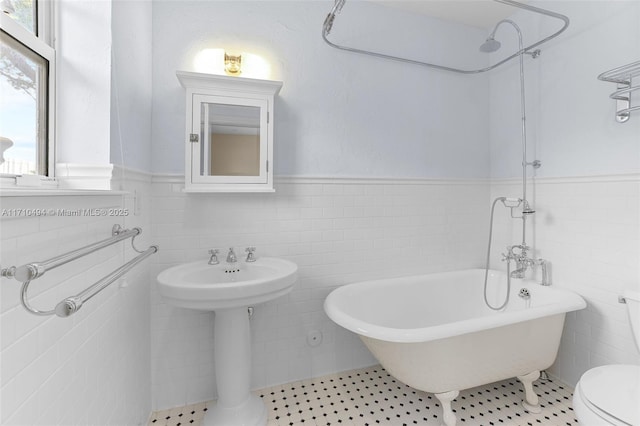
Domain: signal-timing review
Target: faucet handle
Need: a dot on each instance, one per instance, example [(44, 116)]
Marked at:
[(250, 256), (213, 260)]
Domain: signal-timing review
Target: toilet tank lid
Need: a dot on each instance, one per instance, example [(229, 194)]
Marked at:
[(614, 389)]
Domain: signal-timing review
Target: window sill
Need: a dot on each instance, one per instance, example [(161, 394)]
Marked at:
[(71, 179)]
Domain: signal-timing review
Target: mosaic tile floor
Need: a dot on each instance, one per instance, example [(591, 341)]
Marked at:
[(370, 396)]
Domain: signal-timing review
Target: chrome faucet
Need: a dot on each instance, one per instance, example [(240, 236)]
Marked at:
[(213, 260), (523, 262), (231, 256)]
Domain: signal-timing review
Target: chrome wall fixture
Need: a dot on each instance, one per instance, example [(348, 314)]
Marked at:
[(70, 305), (530, 49), (522, 258), (623, 76)]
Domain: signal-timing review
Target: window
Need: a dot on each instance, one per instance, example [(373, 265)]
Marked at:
[(27, 67)]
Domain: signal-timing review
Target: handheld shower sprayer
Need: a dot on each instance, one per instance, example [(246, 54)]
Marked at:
[(521, 259), (511, 202)]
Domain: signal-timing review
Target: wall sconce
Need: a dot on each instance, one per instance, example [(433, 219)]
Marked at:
[(214, 61), (232, 64)]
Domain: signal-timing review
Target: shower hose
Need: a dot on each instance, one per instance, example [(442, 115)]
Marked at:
[(486, 266)]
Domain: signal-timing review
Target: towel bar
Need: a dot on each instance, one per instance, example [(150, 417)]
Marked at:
[(34, 270), (70, 305)]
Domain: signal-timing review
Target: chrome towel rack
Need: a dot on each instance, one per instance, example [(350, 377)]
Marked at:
[(70, 305), (623, 76)]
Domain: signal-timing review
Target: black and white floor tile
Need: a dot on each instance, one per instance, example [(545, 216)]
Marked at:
[(370, 396)]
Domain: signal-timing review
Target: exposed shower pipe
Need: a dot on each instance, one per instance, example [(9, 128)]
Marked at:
[(531, 49), (523, 261), (491, 45)]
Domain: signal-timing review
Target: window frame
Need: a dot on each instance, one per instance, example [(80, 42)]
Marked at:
[(42, 44)]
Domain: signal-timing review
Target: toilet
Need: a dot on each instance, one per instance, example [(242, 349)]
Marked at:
[(610, 394)]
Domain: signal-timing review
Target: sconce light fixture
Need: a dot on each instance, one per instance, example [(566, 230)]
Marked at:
[(232, 63)]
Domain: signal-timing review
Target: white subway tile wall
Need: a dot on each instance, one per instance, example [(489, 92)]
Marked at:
[(589, 229), (338, 231), (92, 367)]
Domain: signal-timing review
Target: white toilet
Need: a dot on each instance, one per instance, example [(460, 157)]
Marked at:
[(610, 394)]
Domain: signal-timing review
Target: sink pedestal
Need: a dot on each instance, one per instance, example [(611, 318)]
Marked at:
[(229, 290), (236, 405)]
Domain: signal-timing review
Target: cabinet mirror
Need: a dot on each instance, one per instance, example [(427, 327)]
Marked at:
[(231, 140), (229, 133)]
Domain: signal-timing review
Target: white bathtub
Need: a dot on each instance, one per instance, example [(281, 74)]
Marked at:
[(434, 332)]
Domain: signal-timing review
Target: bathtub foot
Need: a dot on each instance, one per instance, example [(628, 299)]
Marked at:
[(530, 402), (445, 398)]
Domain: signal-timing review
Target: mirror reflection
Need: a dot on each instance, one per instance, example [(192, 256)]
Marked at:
[(230, 136)]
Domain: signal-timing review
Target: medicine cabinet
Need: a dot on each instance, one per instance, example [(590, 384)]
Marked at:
[(229, 133)]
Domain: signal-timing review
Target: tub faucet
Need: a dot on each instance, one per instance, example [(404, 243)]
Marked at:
[(523, 262), (231, 256)]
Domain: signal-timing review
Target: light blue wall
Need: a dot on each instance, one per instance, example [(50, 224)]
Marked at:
[(341, 114), (570, 117), (131, 84), (338, 114)]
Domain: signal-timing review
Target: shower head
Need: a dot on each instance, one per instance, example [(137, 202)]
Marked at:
[(490, 45)]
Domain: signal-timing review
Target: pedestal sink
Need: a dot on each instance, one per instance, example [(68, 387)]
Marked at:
[(229, 289)]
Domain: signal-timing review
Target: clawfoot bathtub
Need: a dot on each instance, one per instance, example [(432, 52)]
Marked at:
[(434, 333)]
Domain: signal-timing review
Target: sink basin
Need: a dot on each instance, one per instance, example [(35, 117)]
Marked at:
[(198, 285), (228, 289)]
